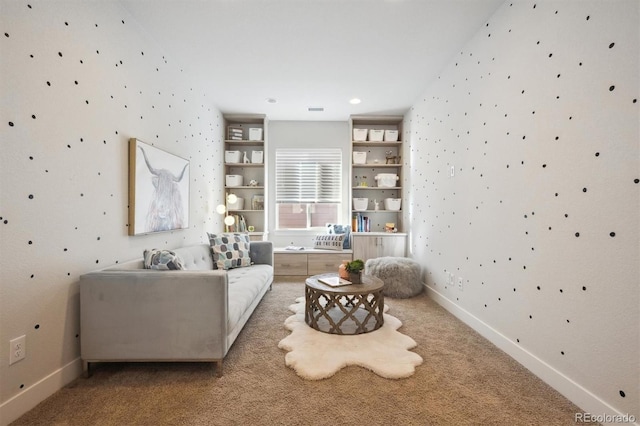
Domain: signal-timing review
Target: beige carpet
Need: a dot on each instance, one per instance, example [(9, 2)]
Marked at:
[(464, 380)]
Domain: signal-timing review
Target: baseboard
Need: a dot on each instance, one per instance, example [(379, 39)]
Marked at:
[(587, 401), (15, 407)]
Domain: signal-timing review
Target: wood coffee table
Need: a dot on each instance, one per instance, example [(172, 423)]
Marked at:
[(350, 309)]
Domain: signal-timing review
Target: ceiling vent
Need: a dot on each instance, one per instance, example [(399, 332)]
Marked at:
[(315, 109)]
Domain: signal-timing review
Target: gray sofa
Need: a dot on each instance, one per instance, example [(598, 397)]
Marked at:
[(128, 313)]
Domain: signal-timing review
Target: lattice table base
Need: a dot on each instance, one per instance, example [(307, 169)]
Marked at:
[(352, 309)]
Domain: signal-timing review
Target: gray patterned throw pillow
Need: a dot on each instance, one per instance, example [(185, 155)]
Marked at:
[(230, 250), (164, 260)]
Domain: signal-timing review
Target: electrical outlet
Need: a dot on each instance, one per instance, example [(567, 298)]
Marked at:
[(452, 279), (17, 349), (460, 283)]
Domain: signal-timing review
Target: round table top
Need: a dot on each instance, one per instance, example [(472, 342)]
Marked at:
[(369, 284)]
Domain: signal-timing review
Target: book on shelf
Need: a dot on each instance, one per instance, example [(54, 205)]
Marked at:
[(334, 281), (239, 224), (360, 223), (234, 133)]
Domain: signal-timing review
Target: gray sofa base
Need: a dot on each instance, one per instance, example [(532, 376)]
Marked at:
[(87, 371), (130, 314)]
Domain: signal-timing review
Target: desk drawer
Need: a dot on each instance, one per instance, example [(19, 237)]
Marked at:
[(290, 264), (322, 263)]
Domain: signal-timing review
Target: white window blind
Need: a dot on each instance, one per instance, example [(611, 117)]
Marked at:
[(308, 175)]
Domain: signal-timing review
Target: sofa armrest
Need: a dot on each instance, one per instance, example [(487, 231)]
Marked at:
[(153, 315), (261, 252)]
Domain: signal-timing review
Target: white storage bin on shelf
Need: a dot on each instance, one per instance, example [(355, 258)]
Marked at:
[(238, 205), (360, 204), (391, 135), (392, 204), (359, 157), (232, 156), (360, 135), (376, 135), (257, 157), (255, 134), (386, 180), (233, 180)]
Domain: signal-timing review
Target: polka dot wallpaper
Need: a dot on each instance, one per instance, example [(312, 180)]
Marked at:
[(524, 187), (78, 79)]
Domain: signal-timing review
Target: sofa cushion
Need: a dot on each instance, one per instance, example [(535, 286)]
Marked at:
[(196, 257), (244, 286), (328, 241), (162, 259), (230, 250)]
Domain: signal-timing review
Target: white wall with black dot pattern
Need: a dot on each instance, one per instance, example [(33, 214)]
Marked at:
[(78, 79), (538, 117)]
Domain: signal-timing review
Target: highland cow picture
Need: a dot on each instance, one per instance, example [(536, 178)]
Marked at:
[(158, 190)]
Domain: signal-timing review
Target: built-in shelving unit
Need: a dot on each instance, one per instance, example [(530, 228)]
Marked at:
[(245, 155), (375, 158), (383, 157)]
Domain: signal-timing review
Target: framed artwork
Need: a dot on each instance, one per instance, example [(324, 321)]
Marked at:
[(158, 190)]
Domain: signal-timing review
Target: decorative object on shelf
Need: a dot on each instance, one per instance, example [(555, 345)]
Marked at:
[(354, 268), (390, 158), (376, 205), (251, 228), (390, 227), (257, 202), (245, 158), (253, 182), (158, 190)]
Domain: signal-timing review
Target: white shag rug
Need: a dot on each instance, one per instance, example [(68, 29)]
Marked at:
[(315, 355)]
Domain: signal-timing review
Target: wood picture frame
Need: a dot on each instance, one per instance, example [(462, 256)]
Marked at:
[(159, 188)]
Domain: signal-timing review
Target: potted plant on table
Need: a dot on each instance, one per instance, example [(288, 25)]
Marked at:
[(354, 268)]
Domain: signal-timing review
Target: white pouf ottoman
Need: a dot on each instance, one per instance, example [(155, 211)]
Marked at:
[(401, 275)]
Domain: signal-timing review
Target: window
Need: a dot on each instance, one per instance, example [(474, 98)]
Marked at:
[(308, 183)]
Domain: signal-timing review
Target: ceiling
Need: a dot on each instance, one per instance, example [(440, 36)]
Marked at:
[(312, 53)]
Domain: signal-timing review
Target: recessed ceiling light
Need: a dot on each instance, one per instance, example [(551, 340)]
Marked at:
[(355, 101), (271, 100)]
